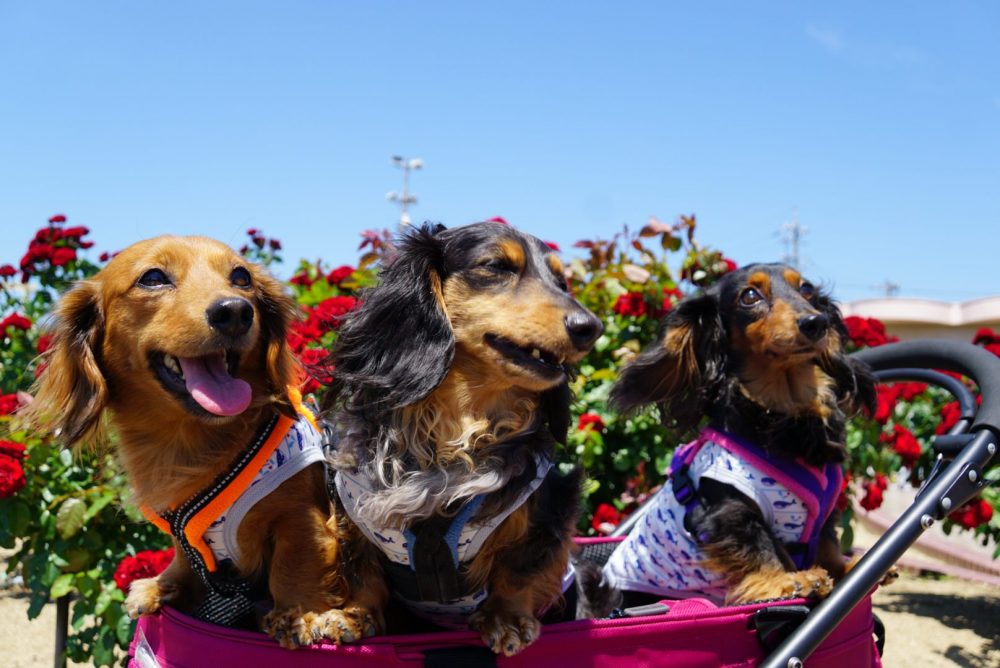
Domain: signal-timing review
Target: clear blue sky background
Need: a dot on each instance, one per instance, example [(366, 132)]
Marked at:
[(880, 122)]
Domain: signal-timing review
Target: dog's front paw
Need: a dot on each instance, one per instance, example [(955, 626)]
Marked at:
[(350, 625), (505, 632), (767, 585), (292, 627), (144, 598)]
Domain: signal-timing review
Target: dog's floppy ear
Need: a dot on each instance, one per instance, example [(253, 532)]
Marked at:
[(683, 369), (554, 409), (854, 380), (397, 346), (71, 394), (278, 310)]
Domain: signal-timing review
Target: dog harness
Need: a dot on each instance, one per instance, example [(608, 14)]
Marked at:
[(660, 556), (426, 562), (205, 526)]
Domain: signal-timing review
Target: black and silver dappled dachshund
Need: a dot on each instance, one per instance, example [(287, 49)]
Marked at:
[(749, 511), (451, 389)]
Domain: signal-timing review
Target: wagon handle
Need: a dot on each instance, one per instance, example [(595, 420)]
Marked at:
[(959, 482)]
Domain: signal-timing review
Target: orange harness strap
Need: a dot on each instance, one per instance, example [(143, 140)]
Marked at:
[(195, 528)]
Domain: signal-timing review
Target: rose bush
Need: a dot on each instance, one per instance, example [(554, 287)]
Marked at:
[(76, 533)]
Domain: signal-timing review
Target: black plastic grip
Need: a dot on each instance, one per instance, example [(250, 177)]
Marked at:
[(977, 363)]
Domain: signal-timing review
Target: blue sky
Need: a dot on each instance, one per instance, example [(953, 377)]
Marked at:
[(879, 123)]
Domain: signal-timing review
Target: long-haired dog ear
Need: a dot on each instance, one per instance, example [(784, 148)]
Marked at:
[(397, 346), (71, 394), (855, 383), (554, 409), (683, 370), (278, 310)]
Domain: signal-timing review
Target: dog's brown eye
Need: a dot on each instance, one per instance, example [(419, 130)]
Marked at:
[(240, 277), (750, 297), (807, 290), (154, 278), (499, 267)]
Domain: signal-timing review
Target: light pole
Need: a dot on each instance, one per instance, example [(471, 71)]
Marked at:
[(404, 197)]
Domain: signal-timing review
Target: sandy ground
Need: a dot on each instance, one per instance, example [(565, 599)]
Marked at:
[(929, 623)]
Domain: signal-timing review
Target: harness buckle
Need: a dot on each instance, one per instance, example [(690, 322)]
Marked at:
[(682, 486)]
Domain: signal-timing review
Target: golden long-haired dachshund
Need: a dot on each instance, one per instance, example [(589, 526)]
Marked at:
[(451, 379), (181, 342)]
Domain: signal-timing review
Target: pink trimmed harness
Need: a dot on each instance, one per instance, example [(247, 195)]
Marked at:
[(817, 488)]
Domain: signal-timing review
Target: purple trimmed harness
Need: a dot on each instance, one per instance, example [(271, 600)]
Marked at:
[(817, 488)]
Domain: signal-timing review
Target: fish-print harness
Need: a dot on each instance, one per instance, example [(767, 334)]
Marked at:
[(205, 526)]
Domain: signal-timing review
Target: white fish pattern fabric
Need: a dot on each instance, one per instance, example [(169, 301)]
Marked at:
[(660, 557)]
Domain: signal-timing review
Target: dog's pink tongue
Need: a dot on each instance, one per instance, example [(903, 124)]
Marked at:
[(212, 387)]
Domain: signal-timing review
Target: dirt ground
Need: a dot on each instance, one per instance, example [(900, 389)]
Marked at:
[(929, 623)]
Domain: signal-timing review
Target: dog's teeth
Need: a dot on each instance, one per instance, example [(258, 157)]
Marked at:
[(536, 353), (171, 363)]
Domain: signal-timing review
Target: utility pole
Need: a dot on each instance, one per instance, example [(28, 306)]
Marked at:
[(889, 288), (793, 233), (404, 198)]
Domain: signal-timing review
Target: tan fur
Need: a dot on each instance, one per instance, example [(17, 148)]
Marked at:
[(513, 251), (105, 330), (793, 278), (762, 282), (769, 584)]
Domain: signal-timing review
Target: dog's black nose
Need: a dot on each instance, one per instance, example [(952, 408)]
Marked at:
[(813, 327), (232, 316), (583, 328)]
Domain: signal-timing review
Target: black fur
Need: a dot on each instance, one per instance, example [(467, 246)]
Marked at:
[(697, 378)]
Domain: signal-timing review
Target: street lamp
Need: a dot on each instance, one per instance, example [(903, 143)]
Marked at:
[(404, 198)]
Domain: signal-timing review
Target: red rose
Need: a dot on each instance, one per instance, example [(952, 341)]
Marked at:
[(904, 443), (302, 278), (885, 403), (12, 478), (972, 514), (336, 276), (145, 564), (865, 332), (274, 244), (730, 265), (58, 218), (605, 519), (985, 335), (950, 414), (553, 245), (258, 242), (16, 321), (843, 500), (75, 232), (44, 343), (630, 304), (316, 372), (329, 311), (497, 219), (104, 257), (910, 391), (7, 270), (872, 498), (12, 450), (62, 255), (590, 421), (8, 404), (252, 232)]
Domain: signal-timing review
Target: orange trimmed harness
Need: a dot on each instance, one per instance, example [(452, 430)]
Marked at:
[(230, 596)]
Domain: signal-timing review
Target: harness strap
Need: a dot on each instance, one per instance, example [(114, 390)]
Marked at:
[(189, 521)]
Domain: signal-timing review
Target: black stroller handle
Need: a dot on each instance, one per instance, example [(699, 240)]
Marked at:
[(977, 363), (944, 491)]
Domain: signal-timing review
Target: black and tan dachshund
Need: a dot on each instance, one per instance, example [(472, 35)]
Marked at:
[(749, 514), (451, 394)]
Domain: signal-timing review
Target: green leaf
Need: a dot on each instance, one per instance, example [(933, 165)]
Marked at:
[(102, 602), (38, 601), (62, 586), (99, 505), (79, 615), (71, 517), (125, 629)]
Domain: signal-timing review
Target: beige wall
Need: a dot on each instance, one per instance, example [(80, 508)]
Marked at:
[(924, 318)]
